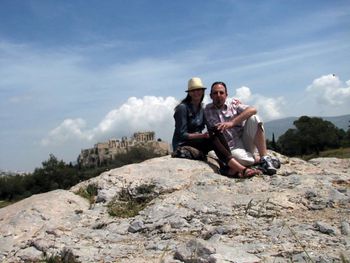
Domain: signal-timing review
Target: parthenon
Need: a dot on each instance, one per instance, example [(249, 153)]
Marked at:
[(107, 151)]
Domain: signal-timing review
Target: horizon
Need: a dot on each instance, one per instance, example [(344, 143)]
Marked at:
[(130, 136), (77, 72)]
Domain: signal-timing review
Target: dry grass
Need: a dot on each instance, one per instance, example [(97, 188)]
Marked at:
[(338, 153), (129, 204)]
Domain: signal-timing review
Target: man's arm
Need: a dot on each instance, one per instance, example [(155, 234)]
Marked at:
[(244, 115), (238, 120)]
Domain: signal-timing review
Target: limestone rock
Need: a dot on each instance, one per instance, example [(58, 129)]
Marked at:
[(177, 210)]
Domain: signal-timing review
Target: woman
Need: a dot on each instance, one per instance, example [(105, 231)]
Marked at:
[(189, 126), (189, 119)]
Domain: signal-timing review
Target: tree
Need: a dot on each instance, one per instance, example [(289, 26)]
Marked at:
[(289, 143), (346, 139), (311, 135), (56, 174)]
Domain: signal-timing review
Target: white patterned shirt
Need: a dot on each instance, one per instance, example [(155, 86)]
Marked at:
[(230, 110)]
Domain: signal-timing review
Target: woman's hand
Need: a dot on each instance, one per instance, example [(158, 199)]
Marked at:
[(192, 136), (206, 135)]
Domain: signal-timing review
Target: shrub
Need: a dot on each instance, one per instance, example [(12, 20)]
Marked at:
[(128, 204), (90, 192)]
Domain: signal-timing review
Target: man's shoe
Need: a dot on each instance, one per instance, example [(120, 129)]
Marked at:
[(276, 162), (269, 166)]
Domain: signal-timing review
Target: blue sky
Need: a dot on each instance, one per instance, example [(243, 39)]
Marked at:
[(73, 73)]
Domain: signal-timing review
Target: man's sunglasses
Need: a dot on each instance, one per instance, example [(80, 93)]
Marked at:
[(218, 92)]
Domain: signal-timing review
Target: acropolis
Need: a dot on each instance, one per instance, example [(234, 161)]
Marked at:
[(104, 152)]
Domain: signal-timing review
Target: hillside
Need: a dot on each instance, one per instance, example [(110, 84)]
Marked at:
[(176, 210), (280, 126)]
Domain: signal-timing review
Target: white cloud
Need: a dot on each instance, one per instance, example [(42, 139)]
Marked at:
[(69, 129), (148, 113), (243, 93), (330, 90), (268, 108)]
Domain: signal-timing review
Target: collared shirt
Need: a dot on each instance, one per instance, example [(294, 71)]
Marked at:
[(187, 120), (228, 111)]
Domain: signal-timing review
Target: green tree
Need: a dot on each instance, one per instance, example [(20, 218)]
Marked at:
[(346, 139), (289, 143), (311, 135), (272, 144), (56, 174)]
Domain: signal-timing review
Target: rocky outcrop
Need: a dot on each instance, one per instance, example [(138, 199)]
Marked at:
[(177, 210)]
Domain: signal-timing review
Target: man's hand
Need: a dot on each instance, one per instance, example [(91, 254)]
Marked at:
[(224, 125)]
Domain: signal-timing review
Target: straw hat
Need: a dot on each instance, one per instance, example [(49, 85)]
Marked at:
[(195, 83)]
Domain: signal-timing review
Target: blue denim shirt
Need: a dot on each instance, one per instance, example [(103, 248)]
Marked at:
[(186, 121)]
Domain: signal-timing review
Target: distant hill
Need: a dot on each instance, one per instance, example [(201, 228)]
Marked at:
[(280, 126), (12, 173)]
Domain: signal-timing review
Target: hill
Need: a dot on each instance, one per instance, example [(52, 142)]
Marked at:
[(280, 126), (176, 210)]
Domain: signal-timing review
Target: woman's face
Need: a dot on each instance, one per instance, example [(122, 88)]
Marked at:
[(196, 95)]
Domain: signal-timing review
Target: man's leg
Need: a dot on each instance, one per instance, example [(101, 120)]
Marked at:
[(243, 156), (260, 140), (254, 136), (222, 150)]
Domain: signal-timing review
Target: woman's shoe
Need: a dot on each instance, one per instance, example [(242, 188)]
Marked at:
[(248, 173), (226, 171)]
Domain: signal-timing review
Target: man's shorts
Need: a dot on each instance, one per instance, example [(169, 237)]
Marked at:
[(245, 149)]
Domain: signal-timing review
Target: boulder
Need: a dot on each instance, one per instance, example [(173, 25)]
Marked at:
[(178, 210)]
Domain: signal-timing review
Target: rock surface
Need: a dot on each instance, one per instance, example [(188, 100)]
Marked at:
[(188, 213)]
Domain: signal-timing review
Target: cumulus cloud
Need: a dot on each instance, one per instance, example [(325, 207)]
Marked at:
[(330, 90), (136, 114), (149, 113), (69, 129), (243, 94), (268, 108)]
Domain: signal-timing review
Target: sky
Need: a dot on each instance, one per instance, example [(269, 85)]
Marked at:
[(74, 73)]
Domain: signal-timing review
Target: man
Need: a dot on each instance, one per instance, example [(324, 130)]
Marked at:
[(241, 127)]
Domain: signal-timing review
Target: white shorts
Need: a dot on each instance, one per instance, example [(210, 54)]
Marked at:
[(245, 147)]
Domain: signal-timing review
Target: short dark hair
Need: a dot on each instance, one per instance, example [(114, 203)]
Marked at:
[(218, 83)]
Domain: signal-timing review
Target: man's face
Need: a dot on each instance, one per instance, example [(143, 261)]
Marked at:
[(218, 95)]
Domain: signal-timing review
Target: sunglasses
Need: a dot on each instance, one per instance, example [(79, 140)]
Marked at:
[(218, 92)]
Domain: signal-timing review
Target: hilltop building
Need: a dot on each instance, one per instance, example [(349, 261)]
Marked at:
[(105, 152)]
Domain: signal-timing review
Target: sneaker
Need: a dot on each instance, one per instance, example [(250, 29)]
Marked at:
[(269, 165), (276, 162)]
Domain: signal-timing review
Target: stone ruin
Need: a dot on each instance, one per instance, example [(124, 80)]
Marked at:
[(104, 152)]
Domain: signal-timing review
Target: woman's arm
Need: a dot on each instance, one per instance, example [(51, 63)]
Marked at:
[(180, 117), (192, 136), (181, 126)]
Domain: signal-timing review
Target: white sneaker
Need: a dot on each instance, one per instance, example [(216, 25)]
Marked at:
[(269, 165)]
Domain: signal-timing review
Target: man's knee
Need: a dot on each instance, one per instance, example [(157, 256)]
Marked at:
[(255, 121), (243, 156), (252, 125)]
